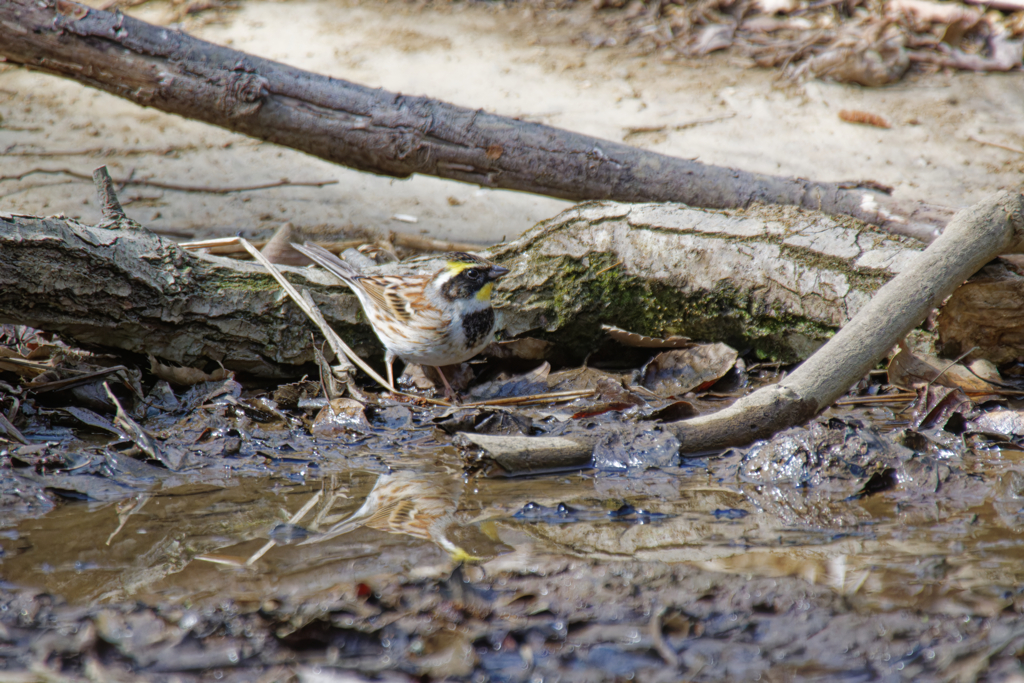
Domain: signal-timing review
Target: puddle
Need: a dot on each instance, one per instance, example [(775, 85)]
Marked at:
[(189, 544)]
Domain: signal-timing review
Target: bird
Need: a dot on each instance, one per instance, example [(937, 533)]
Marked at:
[(435, 319), (423, 505)]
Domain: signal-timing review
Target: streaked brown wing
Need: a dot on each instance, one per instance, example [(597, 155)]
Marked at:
[(376, 289)]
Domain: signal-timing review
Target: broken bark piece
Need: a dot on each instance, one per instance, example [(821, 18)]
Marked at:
[(986, 314)]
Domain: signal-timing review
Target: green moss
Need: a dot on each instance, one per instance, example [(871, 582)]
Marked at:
[(595, 291)]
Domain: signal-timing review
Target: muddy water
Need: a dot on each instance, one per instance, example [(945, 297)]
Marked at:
[(832, 552), (189, 544)]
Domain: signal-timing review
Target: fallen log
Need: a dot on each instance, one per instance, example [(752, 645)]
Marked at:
[(773, 279), (391, 134), (975, 236)]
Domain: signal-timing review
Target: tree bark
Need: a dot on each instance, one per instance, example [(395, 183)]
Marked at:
[(975, 236), (392, 134), (778, 280)]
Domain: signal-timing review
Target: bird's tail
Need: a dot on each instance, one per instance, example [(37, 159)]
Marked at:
[(326, 259)]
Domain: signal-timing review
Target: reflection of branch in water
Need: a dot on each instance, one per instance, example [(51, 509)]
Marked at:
[(284, 182), (122, 515), (294, 519)]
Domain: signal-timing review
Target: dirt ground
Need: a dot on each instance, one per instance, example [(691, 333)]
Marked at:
[(510, 60)]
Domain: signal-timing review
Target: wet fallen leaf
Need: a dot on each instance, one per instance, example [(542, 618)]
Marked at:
[(673, 412), (1005, 422), (682, 370), (636, 447), (288, 395), (341, 416), (533, 382), (600, 409), (935, 405)]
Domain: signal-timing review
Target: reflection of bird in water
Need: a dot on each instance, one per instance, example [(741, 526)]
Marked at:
[(421, 505)]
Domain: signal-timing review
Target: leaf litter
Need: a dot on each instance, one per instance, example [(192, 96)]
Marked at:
[(379, 535)]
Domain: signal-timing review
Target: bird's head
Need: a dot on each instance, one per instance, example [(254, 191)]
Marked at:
[(466, 276)]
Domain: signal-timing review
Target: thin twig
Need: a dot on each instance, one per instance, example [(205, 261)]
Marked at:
[(430, 244), (870, 400), (951, 364), (605, 270), (340, 348), (1008, 148), (96, 151), (533, 398), (284, 182), (34, 187), (228, 246)]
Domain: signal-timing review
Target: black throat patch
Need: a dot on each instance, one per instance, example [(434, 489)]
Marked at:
[(476, 326)]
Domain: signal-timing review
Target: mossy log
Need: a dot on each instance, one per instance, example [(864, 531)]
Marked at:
[(778, 280)]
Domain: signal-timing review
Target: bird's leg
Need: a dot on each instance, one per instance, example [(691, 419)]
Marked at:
[(389, 359), (449, 393)]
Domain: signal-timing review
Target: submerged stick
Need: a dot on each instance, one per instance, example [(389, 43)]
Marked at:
[(974, 237)]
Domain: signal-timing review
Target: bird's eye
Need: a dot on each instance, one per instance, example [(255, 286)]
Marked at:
[(473, 274)]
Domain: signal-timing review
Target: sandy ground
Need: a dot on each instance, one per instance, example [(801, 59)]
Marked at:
[(508, 61)]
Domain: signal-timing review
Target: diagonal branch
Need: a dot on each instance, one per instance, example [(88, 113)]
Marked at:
[(391, 134)]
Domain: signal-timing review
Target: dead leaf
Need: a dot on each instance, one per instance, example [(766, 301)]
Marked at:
[(527, 348), (682, 370), (712, 38), (873, 57), (340, 416), (20, 365), (425, 377), (185, 376), (644, 342), (1005, 422), (279, 249), (907, 370), (935, 405), (533, 382)]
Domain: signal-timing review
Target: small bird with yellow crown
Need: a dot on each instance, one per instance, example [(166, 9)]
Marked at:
[(436, 319)]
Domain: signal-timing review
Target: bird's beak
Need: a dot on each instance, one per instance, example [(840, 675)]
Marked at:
[(496, 272)]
